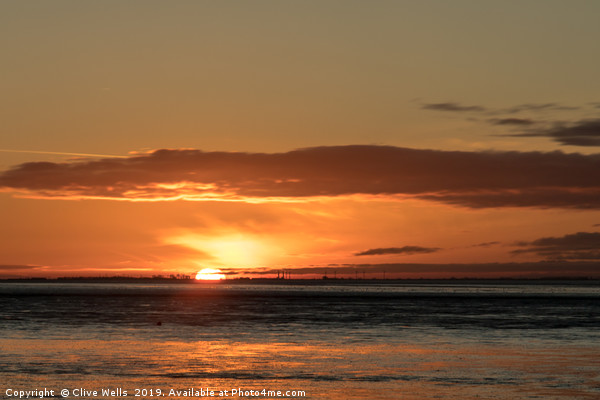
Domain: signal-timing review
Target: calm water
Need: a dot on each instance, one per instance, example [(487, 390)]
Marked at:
[(391, 341)]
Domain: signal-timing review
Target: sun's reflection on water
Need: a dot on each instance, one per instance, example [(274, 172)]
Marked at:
[(324, 370)]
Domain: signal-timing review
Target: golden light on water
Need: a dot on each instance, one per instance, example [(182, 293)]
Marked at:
[(210, 274)]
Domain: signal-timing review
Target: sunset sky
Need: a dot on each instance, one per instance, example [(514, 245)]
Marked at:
[(414, 138)]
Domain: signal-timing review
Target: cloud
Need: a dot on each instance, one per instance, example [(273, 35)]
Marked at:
[(539, 107), (20, 267), (512, 121), (453, 107), (582, 199), (580, 133), (528, 107), (9, 271), (469, 179), (485, 244), (397, 250), (576, 246), (575, 133), (60, 153)]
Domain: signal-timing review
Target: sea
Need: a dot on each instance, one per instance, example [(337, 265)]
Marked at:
[(312, 340)]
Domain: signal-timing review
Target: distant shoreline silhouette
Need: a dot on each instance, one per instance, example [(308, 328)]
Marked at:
[(301, 281)]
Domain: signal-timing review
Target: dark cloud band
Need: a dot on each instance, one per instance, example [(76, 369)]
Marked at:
[(576, 246), (470, 179)]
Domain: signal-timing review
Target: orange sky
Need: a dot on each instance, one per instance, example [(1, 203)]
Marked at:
[(419, 139)]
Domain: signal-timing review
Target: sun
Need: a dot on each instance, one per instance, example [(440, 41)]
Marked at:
[(210, 274)]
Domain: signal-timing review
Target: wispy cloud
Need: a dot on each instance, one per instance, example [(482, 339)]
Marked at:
[(512, 121), (485, 244), (397, 250), (452, 107), (8, 271), (61, 153), (540, 120), (469, 179), (536, 107), (13, 267), (578, 133)]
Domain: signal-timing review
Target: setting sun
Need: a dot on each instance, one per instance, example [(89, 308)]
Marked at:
[(210, 274)]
